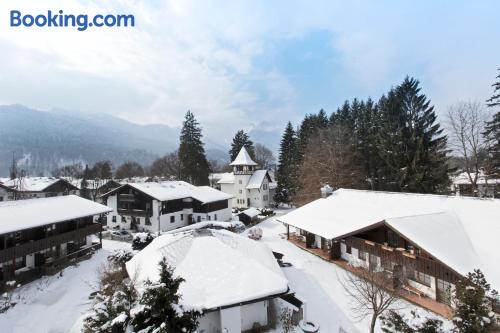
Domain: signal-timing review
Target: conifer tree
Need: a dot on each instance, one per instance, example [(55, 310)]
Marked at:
[(492, 134), (194, 167), (287, 166), (472, 299), (240, 140), (84, 185), (410, 142), (495, 99), (162, 312)]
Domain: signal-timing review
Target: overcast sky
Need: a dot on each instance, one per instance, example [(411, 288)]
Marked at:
[(247, 64)]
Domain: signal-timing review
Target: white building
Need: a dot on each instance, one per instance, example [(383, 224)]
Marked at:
[(248, 186), (485, 187), (36, 187), (165, 206), (231, 278)]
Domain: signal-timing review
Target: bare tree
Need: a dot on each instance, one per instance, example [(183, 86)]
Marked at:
[(329, 158), (264, 157), (371, 292), (129, 169), (167, 166), (466, 122)]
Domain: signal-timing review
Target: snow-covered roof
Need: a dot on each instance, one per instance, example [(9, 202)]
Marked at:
[(463, 178), (257, 179), (172, 190), (251, 212), (347, 211), (32, 184), (227, 178), (31, 213), (243, 158), (220, 268)]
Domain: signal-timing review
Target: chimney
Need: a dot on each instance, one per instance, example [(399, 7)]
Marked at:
[(326, 191)]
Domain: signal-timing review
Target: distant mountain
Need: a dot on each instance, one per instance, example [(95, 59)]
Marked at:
[(46, 140)]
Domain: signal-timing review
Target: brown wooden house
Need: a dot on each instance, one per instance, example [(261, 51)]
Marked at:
[(41, 236), (424, 242)]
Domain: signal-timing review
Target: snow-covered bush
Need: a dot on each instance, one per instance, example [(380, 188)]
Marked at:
[(286, 320), (112, 304), (6, 298), (120, 257), (393, 322), (141, 240), (266, 212)]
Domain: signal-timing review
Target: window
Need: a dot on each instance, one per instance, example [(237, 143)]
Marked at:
[(265, 198), (113, 218), (172, 219), (199, 218), (348, 249), (123, 219), (148, 221), (362, 255), (423, 278), (182, 217), (264, 186), (215, 217), (209, 218)]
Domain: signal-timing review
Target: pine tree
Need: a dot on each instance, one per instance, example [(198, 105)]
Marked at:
[(240, 140), (194, 167), (472, 312), (84, 185), (410, 142), (287, 166), (492, 135), (162, 312), (495, 99)]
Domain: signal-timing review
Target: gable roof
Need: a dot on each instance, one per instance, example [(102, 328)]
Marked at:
[(210, 261), (251, 212), (243, 158), (257, 179), (31, 213), (35, 184), (472, 222), (172, 190)]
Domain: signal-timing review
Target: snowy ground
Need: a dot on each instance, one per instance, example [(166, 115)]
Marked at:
[(55, 304), (318, 282)]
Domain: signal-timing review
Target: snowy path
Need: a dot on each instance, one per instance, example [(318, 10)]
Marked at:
[(53, 304), (318, 282)]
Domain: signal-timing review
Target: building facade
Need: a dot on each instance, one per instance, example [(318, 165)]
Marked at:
[(41, 236), (249, 186), (424, 243), (37, 187), (165, 206)]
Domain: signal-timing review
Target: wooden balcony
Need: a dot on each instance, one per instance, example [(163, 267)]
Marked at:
[(45, 243), (133, 212)]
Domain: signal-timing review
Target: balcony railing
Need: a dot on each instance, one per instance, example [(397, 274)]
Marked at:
[(45, 243), (133, 212)]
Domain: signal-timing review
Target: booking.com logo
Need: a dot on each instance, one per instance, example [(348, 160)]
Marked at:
[(82, 21)]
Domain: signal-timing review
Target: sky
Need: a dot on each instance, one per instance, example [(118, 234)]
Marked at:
[(247, 64)]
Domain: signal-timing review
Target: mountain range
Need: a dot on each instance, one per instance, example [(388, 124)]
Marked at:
[(45, 140)]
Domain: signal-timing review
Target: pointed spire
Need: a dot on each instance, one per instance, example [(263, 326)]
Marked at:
[(243, 158)]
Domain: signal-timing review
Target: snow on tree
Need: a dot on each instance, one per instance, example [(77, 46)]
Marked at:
[(473, 299), (141, 240), (394, 322), (159, 310)]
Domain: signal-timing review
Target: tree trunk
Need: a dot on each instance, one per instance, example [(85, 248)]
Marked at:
[(372, 324)]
